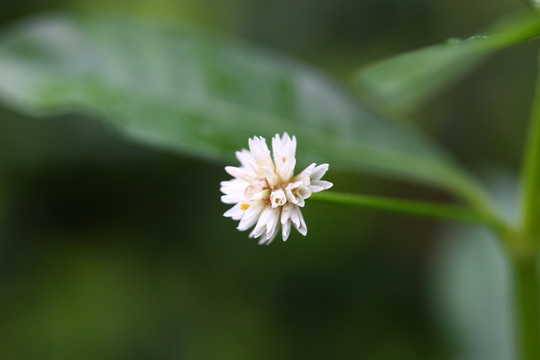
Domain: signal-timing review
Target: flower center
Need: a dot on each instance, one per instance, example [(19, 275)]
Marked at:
[(278, 198), (278, 194)]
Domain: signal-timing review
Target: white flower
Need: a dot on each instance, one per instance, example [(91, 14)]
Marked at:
[(265, 192)]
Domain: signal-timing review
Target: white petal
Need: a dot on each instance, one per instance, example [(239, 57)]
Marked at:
[(320, 185), (271, 230), (260, 152), (268, 238), (257, 232), (261, 195), (285, 168), (277, 146), (289, 145), (300, 224), (286, 211), (251, 216), (278, 198), (304, 176), (291, 149), (265, 221), (286, 230), (319, 172), (284, 146), (292, 193), (284, 156), (232, 198), (234, 186), (271, 176), (304, 192), (245, 158), (273, 221), (246, 223), (240, 173), (236, 212), (295, 218)]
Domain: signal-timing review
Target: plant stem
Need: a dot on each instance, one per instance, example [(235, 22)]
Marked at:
[(531, 175), (527, 306), (525, 245), (447, 212)]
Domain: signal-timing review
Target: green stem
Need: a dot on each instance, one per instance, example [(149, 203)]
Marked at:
[(439, 211), (531, 176), (525, 244), (527, 306)]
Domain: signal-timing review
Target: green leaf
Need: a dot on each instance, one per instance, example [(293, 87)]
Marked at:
[(471, 286), (472, 281), (404, 82), (535, 4), (178, 91)]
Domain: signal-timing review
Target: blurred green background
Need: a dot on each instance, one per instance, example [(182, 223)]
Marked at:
[(115, 251)]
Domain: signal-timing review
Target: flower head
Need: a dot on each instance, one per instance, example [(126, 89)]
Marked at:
[(265, 192)]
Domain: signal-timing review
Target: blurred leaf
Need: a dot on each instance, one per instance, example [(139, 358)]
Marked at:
[(404, 82), (535, 4), (472, 287), (471, 282), (189, 94)]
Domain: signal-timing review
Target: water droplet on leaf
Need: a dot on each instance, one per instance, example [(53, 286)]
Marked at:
[(452, 41)]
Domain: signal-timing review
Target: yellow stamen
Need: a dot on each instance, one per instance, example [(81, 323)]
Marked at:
[(244, 207)]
